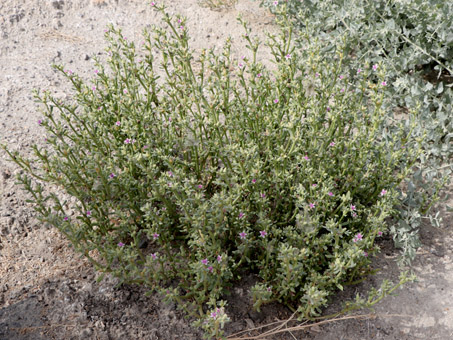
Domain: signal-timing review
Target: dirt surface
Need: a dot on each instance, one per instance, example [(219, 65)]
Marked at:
[(47, 291)]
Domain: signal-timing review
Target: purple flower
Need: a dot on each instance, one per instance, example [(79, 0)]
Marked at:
[(88, 212), (94, 88), (314, 185), (241, 65), (379, 233), (120, 244), (155, 236), (118, 123), (359, 70), (306, 158), (243, 235), (241, 215), (263, 195), (112, 175), (316, 74), (288, 56), (210, 268), (330, 193), (213, 315), (276, 100), (263, 233), (66, 218), (39, 121), (170, 174), (259, 75), (200, 186), (342, 90), (358, 237), (127, 141), (311, 205), (353, 207), (332, 144), (275, 3), (219, 258), (96, 71), (365, 254), (384, 83), (375, 66), (154, 256), (253, 181), (328, 109), (341, 77), (125, 91), (383, 192), (204, 261), (153, 3)]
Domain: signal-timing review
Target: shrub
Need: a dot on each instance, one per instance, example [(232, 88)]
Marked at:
[(187, 178), (413, 41)]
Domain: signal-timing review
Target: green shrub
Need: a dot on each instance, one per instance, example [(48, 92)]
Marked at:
[(189, 177), (413, 41)]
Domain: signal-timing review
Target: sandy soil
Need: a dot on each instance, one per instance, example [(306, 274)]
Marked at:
[(47, 291)]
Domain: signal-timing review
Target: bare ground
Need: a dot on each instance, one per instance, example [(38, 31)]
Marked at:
[(47, 291)]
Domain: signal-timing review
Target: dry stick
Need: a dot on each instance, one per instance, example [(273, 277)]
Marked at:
[(302, 327)]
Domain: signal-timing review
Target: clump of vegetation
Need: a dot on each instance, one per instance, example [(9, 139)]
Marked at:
[(188, 177), (218, 4), (413, 41)]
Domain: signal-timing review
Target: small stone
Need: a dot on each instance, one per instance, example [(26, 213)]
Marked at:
[(86, 333)]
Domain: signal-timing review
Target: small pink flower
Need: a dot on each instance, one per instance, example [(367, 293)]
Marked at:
[(66, 218), (96, 71), (170, 174), (125, 91), (200, 186), (112, 175), (127, 141), (341, 77), (383, 192), (155, 236), (330, 193), (181, 27), (210, 268), (213, 315), (253, 181), (314, 185), (94, 88), (219, 258), (379, 233), (306, 158), (153, 3), (342, 90), (118, 123), (259, 75), (276, 100), (311, 205), (120, 244), (365, 254), (332, 144), (384, 83), (358, 237), (353, 207), (88, 212), (316, 74), (263, 233), (241, 65), (375, 66), (328, 109), (39, 121), (204, 261), (354, 215), (275, 3), (154, 256), (243, 235), (359, 70), (241, 215), (288, 56), (263, 195)]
